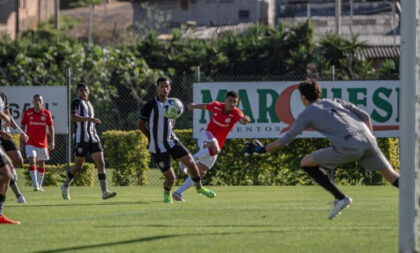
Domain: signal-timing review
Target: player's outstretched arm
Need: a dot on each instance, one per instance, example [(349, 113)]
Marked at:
[(245, 120), (196, 106), (256, 147), (77, 118)]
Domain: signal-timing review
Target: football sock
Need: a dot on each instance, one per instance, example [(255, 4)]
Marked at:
[(166, 189), (187, 184), (2, 199), (102, 181), (323, 180), (40, 176), (32, 171), (69, 179), (396, 183), (15, 188), (197, 182)]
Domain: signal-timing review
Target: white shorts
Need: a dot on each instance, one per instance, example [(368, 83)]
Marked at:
[(41, 154), (205, 137)]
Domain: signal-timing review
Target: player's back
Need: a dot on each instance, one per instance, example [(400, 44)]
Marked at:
[(339, 121)]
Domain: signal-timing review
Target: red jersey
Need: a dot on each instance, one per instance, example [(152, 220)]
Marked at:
[(222, 123), (36, 127)]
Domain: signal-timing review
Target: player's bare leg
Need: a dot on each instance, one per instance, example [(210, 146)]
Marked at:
[(98, 158), (390, 175), (167, 185), (312, 168), (17, 161), (5, 177), (189, 162)]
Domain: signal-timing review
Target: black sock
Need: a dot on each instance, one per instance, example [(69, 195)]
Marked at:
[(69, 179), (323, 180), (102, 182), (396, 183), (197, 182), (15, 188), (2, 199)]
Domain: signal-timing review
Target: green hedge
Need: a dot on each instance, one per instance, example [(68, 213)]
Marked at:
[(56, 174), (282, 167), (126, 152)]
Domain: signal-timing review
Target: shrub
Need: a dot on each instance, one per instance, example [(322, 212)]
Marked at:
[(56, 174), (283, 166), (126, 152)]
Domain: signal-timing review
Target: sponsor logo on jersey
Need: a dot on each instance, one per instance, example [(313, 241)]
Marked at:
[(43, 118), (227, 120)]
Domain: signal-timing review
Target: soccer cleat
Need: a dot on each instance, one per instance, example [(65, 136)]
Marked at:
[(41, 189), (206, 192), (108, 195), (167, 198), (65, 192), (182, 168), (178, 196), (4, 220), (36, 190), (339, 205), (21, 200)]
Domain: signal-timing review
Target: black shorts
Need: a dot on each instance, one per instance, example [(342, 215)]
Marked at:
[(82, 148), (3, 159), (163, 160), (8, 145)]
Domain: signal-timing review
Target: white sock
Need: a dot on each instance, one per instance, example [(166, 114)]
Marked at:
[(34, 178), (40, 178), (187, 184)]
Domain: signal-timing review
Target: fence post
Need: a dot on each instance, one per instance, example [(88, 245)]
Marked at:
[(197, 74), (332, 72), (57, 14), (68, 84), (90, 27)]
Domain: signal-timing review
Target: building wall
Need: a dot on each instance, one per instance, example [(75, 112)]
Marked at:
[(218, 12), (30, 13)]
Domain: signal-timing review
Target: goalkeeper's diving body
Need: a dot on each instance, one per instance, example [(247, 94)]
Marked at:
[(349, 130)]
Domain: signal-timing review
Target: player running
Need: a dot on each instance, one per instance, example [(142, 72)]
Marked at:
[(36, 148), (211, 141), (163, 142), (5, 175), (10, 147), (347, 127)]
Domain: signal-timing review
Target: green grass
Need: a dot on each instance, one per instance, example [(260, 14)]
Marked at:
[(239, 219)]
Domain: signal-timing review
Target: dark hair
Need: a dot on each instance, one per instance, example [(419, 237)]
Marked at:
[(82, 85), (162, 79), (310, 89), (232, 93), (37, 95)]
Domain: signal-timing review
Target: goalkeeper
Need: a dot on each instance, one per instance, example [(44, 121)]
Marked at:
[(347, 127)]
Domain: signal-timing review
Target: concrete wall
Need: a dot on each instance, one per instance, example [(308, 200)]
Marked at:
[(30, 13), (217, 12)]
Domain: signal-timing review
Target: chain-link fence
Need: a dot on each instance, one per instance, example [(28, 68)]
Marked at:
[(119, 110)]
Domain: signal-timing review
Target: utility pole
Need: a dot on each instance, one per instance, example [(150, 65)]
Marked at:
[(338, 17)]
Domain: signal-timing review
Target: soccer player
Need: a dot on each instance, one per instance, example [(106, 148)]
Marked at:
[(87, 141), (347, 127), (36, 148), (10, 146), (211, 141), (5, 175), (163, 142)]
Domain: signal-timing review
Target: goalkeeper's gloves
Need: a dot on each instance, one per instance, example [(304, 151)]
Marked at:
[(254, 147)]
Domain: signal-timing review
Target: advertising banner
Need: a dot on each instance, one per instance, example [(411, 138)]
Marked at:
[(273, 106)]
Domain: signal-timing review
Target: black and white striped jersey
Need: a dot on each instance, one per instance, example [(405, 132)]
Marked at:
[(84, 131), (162, 137), (3, 106)]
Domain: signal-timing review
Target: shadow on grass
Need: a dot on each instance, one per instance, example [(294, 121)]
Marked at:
[(145, 239)]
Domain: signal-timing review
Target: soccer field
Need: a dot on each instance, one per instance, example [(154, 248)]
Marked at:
[(239, 219)]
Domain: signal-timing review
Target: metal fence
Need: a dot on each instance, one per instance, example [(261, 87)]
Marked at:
[(121, 110)]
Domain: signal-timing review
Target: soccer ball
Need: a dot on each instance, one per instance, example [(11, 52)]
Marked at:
[(173, 108)]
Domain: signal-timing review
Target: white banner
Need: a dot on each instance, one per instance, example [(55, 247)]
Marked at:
[(273, 106), (20, 98)]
